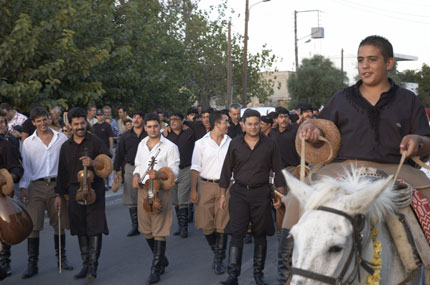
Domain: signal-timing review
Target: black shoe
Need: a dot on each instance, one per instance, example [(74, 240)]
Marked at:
[(165, 262), (260, 252), (285, 252), (5, 260), (134, 223), (64, 263), (212, 244), (94, 248), (183, 222), (234, 266), (83, 246), (178, 229), (190, 213), (157, 261), (3, 274), (221, 243), (248, 238), (33, 257)]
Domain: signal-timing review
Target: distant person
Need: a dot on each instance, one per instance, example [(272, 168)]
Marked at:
[(13, 118), (91, 114), (235, 128), (122, 115), (104, 131)]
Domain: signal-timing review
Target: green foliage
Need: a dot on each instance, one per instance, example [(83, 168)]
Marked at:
[(316, 81)]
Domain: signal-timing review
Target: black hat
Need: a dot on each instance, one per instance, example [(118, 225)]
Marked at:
[(99, 112)]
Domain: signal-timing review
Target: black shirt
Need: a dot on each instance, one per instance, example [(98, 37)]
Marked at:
[(127, 148), (198, 128), (10, 160), (286, 142), (234, 130), (104, 132), (69, 164), (185, 142), (252, 167), (374, 133)]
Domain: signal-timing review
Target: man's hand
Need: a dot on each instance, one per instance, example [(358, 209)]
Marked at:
[(23, 196), (167, 131), (152, 174), (136, 180), (277, 203), (115, 176), (194, 197), (410, 144), (57, 203), (86, 161), (222, 202), (185, 127), (310, 133)]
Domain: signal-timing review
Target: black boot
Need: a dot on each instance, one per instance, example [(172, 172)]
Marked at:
[(221, 243), (190, 213), (3, 274), (259, 261), (64, 263), (134, 224), (83, 246), (183, 224), (165, 261), (94, 248), (234, 266), (285, 252), (157, 261), (5, 259), (33, 257), (212, 243), (178, 229)]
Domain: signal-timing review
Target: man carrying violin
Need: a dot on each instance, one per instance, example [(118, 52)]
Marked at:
[(154, 153), (40, 153), (86, 208), (10, 161)]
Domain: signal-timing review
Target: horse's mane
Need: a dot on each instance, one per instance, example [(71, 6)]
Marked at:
[(328, 189)]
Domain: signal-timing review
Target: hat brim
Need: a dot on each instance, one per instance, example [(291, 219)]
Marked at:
[(168, 183), (107, 166), (7, 188)]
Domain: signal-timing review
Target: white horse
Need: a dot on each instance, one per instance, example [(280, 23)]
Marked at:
[(325, 239)]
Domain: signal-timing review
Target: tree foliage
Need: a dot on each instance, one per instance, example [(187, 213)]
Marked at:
[(315, 81), (140, 53)]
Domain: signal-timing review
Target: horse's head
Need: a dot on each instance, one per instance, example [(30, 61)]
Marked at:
[(324, 235)]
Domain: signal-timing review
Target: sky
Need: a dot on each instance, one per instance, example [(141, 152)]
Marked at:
[(345, 23)]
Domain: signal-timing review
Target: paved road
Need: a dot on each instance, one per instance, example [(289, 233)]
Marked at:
[(127, 260)]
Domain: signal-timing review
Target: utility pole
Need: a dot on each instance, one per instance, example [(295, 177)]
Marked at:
[(341, 62), (229, 94), (245, 57), (296, 50)]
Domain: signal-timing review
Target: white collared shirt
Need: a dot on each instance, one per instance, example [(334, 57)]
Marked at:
[(168, 156), (40, 160), (208, 156)]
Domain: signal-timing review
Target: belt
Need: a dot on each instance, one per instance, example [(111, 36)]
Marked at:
[(184, 166), (210, 180), (250, 187), (47, 179)]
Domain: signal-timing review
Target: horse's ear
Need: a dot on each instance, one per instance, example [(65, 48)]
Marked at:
[(299, 189), (360, 201)]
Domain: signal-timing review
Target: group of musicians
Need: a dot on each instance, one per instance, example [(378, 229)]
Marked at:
[(221, 164)]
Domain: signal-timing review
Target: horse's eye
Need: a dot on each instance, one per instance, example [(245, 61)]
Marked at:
[(334, 249)]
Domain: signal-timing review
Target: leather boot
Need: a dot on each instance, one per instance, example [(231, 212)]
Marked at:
[(157, 261), (190, 217), (83, 246), (64, 263), (212, 243), (94, 248), (183, 222), (134, 223), (3, 274), (260, 252), (165, 261), (33, 257), (178, 229), (5, 259), (285, 253), (221, 243), (234, 266)]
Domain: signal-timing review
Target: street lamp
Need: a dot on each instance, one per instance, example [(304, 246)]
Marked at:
[(316, 33), (245, 52)]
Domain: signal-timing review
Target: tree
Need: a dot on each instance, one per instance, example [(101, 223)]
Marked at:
[(315, 81), (424, 84)]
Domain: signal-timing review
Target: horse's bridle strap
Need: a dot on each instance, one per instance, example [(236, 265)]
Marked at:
[(315, 276)]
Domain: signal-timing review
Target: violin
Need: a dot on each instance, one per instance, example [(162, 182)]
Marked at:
[(85, 195), (152, 203), (15, 223)]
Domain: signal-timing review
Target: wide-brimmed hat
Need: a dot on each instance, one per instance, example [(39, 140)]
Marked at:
[(7, 188), (168, 183), (329, 148), (107, 166)]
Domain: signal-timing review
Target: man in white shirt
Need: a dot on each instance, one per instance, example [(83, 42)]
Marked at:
[(40, 155), (155, 226), (208, 158)]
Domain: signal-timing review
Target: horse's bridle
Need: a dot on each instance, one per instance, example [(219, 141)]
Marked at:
[(358, 223)]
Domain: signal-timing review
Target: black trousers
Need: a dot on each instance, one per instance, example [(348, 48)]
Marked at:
[(250, 205)]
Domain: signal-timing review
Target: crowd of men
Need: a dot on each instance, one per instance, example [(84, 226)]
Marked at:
[(224, 168)]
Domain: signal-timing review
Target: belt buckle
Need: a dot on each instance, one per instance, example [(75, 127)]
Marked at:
[(47, 180), (248, 187)]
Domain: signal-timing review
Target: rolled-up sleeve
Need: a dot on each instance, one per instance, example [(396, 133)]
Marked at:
[(196, 161)]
